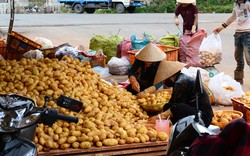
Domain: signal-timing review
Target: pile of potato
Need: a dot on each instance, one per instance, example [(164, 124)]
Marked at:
[(162, 96), (210, 58), (110, 115), (222, 118), (245, 99)]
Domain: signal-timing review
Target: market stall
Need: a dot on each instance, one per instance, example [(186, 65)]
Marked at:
[(112, 121)]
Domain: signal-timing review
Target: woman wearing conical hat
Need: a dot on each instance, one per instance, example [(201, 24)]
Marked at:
[(182, 102), (142, 73)]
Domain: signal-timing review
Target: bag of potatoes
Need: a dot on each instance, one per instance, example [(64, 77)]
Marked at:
[(210, 50)]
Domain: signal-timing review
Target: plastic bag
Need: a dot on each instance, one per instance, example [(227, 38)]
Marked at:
[(123, 47), (189, 48), (139, 43), (118, 66), (45, 43), (66, 50), (33, 54), (211, 50), (224, 88), (104, 72), (192, 71), (170, 39)]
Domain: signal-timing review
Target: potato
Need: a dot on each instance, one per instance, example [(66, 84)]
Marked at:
[(110, 142), (71, 139), (129, 140), (62, 140), (49, 144), (162, 136), (85, 145), (76, 145)]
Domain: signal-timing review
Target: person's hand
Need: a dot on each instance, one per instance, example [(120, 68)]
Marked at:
[(193, 29), (218, 29), (177, 22), (141, 94), (152, 120), (135, 85)]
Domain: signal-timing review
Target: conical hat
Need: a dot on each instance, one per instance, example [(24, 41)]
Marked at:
[(167, 69), (186, 1), (150, 53)]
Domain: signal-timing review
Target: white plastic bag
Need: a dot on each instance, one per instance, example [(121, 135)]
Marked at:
[(104, 72), (44, 42), (118, 66), (224, 88), (211, 50), (192, 71), (33, 54)]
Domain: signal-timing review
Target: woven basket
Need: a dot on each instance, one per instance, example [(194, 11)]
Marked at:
[(239, 106), (223, 124)]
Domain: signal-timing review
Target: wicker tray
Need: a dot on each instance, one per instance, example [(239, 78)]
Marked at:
[(223, 124), (239, 106)]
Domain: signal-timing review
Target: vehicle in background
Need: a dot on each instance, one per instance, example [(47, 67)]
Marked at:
[(89, 6)]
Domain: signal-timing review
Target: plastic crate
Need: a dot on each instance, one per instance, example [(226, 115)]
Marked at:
[(98, 61), (239, 106), (19, 45), (2, 48), (171, 52)]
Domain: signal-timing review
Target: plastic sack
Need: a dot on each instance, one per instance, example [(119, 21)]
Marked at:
[(45, 43), (66, 50), (224, 88), (33, 54), (189, 48), (104, 72), (118, 66), (123, 47), (192, 71), (170, 39), (108, 45), (211, 50), (139, 43)]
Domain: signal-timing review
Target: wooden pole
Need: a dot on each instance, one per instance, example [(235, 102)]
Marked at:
[(11, 23)]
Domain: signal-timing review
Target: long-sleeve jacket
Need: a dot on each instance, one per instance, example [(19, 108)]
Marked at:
[(184, 93), (241, 13)]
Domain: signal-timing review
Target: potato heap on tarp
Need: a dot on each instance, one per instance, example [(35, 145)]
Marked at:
[(110, 115)]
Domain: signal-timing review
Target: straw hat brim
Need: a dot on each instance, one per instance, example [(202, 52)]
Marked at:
[(186, 1), (167, 69), (150, 53)]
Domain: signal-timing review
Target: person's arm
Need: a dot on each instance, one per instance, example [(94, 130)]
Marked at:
[(131, 74), (176, 20), (195, 24), (230, 20), (176, 16)]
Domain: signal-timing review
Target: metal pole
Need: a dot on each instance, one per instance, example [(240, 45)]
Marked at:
[(11, 23)]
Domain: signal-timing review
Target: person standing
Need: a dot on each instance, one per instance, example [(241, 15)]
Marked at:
[(241, 13), (142, 73), (189, 13)]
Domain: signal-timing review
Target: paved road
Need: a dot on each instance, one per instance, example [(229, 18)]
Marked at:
[(78, 29)]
